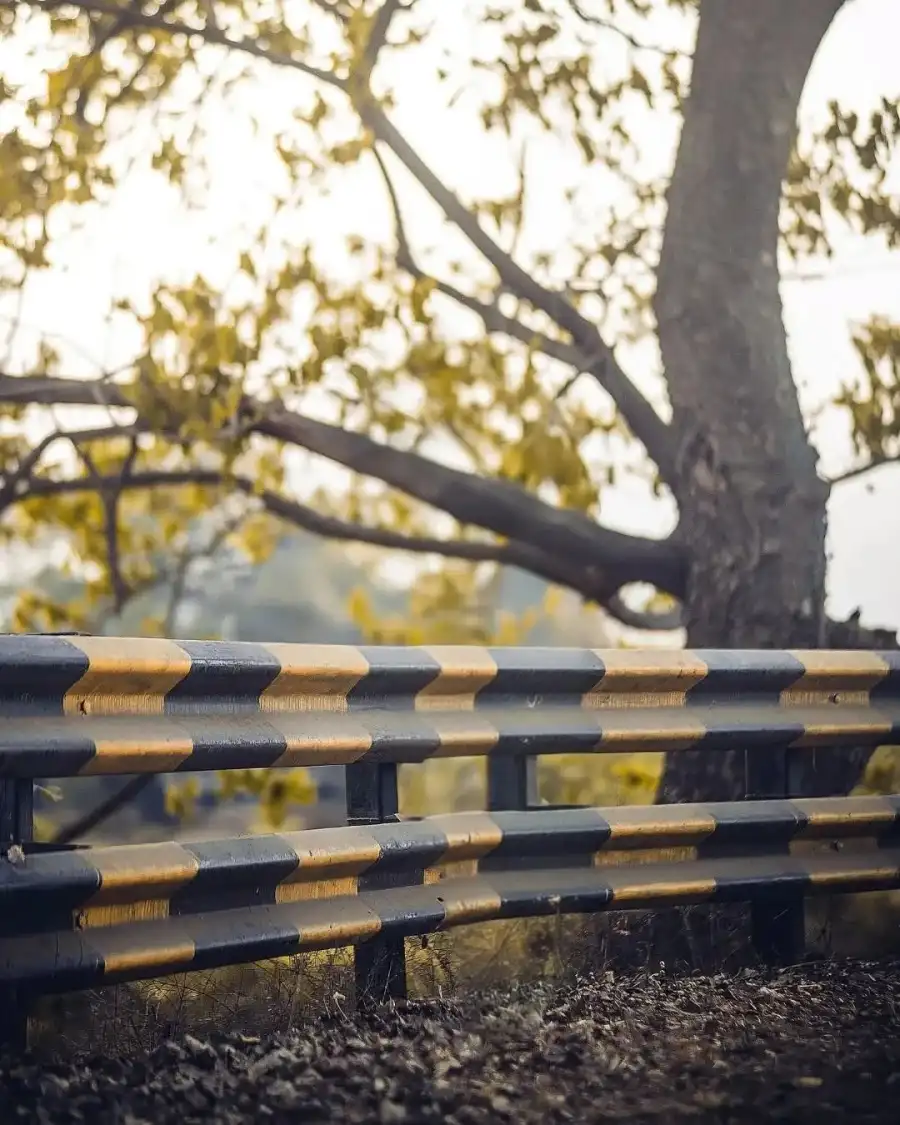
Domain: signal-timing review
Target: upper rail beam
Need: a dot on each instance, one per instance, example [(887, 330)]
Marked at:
[(53, 675), (99, 705)]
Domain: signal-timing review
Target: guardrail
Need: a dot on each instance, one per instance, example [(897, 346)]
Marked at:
[(71, 918)]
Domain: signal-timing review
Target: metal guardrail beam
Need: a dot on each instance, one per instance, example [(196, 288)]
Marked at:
[(99, 705), (61, 961), (75, 705), (96, 886)]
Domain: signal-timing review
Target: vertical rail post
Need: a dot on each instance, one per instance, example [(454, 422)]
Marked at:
[(16, 829), (380, 963), (777, 923), (512, 783), (512, 787)]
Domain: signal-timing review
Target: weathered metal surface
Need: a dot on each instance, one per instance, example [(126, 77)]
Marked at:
[(99, 705), (79, 959), (103, 885)]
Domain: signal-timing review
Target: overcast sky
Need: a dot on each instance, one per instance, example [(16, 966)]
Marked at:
[(145, 234)]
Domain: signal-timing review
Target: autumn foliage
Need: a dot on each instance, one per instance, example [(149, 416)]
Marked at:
[(489, 355)]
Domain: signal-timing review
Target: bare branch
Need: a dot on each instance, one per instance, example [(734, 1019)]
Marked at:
[(493, 318), (111, 498), (662, 622), (208, 33), (99, 815), (498, 506), (609, 25), (639, 414), (860, 470), (599, 361), (18, 479)]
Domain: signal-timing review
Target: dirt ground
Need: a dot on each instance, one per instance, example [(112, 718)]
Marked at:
[(819, 1043)]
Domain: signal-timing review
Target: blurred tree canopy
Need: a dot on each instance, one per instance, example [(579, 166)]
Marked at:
[(482, 374)]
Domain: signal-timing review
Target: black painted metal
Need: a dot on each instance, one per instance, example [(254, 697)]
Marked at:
[(372, 799), (16, 831), (379, 964), (512, 783), (777, 924)]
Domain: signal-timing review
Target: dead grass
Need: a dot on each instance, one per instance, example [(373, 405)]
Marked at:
[(271, 996)]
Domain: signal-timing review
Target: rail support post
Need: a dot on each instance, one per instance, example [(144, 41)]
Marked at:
[(512, 783), (777, 922), (16, 829), (380, 963)]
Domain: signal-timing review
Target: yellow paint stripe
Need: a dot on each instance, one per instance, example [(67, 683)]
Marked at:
[(883, 872), (339, 742), (646, 825), (649, 678), (125, 676), (835, 677), (825, 819), (463, 733), (139, 745), (465, 670), (827, 727), (323, 923), (290, 891), (123, 954), (468, 900), (145, 870), (464, 869), (313, 677), (116, 914), (469, 835), (645, 855), (331, 853), (674, 889), (648, 730)]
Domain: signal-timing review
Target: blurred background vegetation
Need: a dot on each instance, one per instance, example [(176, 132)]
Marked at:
[(310, 590)]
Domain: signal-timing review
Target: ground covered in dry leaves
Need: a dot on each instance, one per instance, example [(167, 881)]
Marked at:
[(818, 1044)]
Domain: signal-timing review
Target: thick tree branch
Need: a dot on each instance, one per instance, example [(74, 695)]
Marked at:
[(596, 583), (497, 506), (381, 25), (663, 621), (53, 390), (292, 511)]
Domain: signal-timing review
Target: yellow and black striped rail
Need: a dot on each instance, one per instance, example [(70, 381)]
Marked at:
[(99, 705), (67, 960), (103, 885), (71, 918)]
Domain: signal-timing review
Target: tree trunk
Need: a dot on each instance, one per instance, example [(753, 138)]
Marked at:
[(753, 508)]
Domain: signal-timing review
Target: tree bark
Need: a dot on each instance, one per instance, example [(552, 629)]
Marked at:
[(752, 505)]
